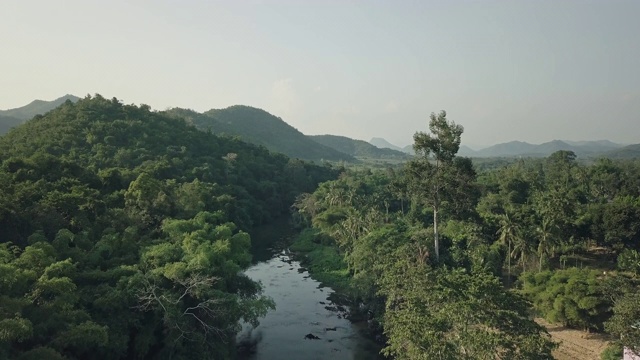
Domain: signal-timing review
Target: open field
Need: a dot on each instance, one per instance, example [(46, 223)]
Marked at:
[(575, 344)]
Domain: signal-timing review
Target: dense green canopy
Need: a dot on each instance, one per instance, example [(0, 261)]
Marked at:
[(123, 233)]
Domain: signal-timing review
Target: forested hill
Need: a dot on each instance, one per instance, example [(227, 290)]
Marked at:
[(8, 122), (627, 152), (358, 148), (259, 127), (120, 233), (384, 144)]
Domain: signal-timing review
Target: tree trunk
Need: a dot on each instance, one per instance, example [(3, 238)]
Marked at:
[(509, 264), (435, 233), (540, 267)]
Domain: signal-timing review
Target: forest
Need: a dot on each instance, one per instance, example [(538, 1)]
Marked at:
[(456, 263), (124, 233)]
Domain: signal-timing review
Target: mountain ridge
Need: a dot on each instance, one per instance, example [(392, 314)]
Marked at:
[(11, 118), (384, 144), (259, 127), (521, 148), (626, 152), (358, 148), (583, 148), (37, 107)]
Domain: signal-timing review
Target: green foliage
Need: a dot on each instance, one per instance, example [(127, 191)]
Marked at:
[(374, 221), (122, 233), (436, 177), (41, 353), (450, 314), (305, 241), (621, 222), (625, 322), (572, 297), (16, 329), (529, 215), (629, 260), (323, 261), (612, 352)]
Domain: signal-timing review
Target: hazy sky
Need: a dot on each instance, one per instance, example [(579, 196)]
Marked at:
[(506, 70)]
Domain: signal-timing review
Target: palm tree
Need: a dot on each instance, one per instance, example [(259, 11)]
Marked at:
[(508, 232), (522, 248), (548, 235)]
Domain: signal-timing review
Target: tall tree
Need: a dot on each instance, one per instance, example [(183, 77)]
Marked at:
[(547, 238), (452, 314), (508, 232), (434, 164)]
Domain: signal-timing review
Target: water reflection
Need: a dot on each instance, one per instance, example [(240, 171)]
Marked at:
[(306, 324)]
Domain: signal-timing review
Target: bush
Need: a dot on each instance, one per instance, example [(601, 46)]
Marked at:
[(324, 261), (305, 242), (629, 260), (612, 352), (572, 297)]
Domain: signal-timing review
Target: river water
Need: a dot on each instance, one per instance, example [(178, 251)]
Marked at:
[(304, 308)]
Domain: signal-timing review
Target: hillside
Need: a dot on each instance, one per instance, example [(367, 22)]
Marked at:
[(466, 151), (384, 144), (13, 117), (121, 230), (627, 152), (261, 128), (37, 107), (512, 148), (408, 149), (358, 148), (8, 122)]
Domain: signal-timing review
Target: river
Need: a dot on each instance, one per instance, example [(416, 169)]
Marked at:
[(304, 308)]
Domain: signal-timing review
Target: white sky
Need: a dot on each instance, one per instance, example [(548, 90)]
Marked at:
[(506, 70)]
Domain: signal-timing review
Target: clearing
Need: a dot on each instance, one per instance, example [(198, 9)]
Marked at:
[(575, 344)]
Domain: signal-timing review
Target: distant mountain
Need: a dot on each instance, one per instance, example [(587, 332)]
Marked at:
[(594, 143), (463, 151), (512, 148), (14, 117), (519, 148), (358, 148), (384, 144), (627, 152), (466, 151), (259, 127), (409, 149), (8, 122), (37, 107)]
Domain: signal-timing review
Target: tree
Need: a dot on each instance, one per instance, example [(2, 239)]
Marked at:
[(508, 232), (625, 322), (547, 232), (629, 260), (574, 297), (434, 164), (452, 314)]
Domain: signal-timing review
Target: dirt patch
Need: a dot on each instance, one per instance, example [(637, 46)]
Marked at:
[(575, 344)]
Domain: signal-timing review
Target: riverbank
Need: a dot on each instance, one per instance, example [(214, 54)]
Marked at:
[(311, 319), (324, 262)]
